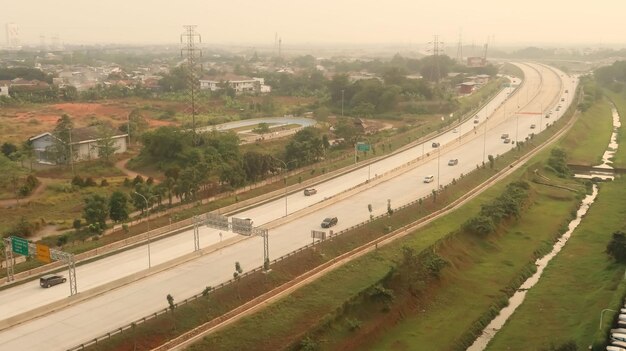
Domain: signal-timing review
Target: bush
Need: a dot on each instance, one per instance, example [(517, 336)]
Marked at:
[(104, 183), (617, 247), (77, 224), (127, 183), (90, 182), (78, 181)]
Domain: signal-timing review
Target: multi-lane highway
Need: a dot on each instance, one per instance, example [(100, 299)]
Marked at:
[(542, 91)]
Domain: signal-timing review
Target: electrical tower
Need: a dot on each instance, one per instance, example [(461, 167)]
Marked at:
[(191, 53), (459, 50), (280, 47), (437, 49)]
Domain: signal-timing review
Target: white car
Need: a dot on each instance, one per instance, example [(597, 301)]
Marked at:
[(429, 179)]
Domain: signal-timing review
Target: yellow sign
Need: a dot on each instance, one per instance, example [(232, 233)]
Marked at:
[(43, 253)]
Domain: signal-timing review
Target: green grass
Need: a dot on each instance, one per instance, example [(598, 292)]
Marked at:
[(619, 99), (587, 140), (482, 273), (576, 285)]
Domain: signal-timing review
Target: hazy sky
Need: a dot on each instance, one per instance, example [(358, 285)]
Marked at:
[(321, 21)]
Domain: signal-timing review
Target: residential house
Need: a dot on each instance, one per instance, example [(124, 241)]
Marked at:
[(84, 145), (238, 83)]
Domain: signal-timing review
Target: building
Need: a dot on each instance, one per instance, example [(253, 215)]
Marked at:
[(238, 83), (466, 88), (476, 61), (481, 79), (4, 90), (13, 36), (84, 144)]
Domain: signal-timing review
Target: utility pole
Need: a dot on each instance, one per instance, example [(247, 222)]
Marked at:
[(191, 53), (341, 102)]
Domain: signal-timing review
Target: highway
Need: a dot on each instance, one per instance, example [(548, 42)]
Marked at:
[(541, 92)]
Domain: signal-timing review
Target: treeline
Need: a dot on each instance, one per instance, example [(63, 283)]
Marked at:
[(208, 160), (613, 76), (508, 205)]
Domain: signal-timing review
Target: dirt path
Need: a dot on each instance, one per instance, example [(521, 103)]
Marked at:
[(43, 184), (121, 165)]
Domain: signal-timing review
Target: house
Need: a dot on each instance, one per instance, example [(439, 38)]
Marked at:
[(84, 145), (238, 83), (482, 79), (466, 87), (4, 90)]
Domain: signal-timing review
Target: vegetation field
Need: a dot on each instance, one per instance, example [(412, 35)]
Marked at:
[(576, 286), (619, 99), (587, 140)]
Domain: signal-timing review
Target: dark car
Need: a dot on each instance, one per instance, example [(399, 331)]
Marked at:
[(329, 222), (435, 144), (49, 280), (310, 191), (453, 162)]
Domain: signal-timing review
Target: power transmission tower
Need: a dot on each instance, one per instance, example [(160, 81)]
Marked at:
[(459, 50), (191, 53), (437, 49)]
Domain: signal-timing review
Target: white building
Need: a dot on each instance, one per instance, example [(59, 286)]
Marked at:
[(4, 90), (84, 145), (238, 83)]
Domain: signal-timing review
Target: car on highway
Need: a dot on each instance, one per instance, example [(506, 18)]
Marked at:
[(507, 141), (504, 136), (49, 280), (533, 126), (429, 179), (476, 121), (453, 162), (435, 144), (329, 222), (310, 191)]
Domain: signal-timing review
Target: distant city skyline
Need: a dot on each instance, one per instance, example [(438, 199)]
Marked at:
[(555, 22)]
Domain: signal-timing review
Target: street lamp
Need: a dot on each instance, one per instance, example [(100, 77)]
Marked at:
[(602, 314), (148, 220), (341, 102), (285, 179), (438, 158)]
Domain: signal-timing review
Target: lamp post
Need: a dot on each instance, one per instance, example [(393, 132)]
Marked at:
[(602, 314), (438, 158), (284, 179), (342, 102), (148, 220)]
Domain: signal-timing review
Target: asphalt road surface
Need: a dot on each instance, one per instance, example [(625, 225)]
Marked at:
[(470, 144)]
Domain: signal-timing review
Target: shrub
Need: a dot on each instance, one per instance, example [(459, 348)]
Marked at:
[(78, 181), (90, 182), (617, 247), (104, 182)]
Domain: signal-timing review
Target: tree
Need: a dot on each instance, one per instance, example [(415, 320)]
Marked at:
[(8, 149), (480, 225), (118, 206), (492, 161), (262, 128), (105, 144), (62, 139), (170, 301), (137, 124), (96, 212), (617, 247)]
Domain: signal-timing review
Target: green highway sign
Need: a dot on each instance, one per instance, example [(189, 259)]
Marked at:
[(363, 147), (19, 245)]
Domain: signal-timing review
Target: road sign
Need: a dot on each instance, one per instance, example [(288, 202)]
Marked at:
[(43, 253), (362, 147), (19, 245), (318, 234), (242, 226), (216, 221)]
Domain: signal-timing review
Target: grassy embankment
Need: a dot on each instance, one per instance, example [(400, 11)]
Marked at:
[(588, 139), (582, 276), (619, 99)]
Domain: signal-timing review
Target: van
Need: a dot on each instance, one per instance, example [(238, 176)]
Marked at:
[(429, 179), (615, 348), (618, 337), (49, 280)]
